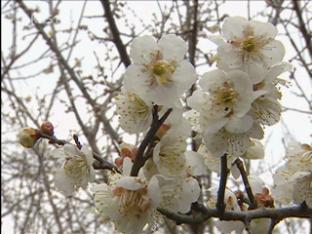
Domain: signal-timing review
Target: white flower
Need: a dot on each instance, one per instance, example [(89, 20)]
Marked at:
[(231, 204), (168, 155), (178, 193), (159, 72), (227, 92), (259, 226), (195, 163), (129, 202), (255, 151), (250, 47), (176, 124), (234, 144), (294, 179), (77, 170), (223, 100), (134, 114), (266, 111)]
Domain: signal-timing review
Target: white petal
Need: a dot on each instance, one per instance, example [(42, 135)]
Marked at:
[(195, 163), (256, 151), (211, 126), (172, 47), (184, 76), (130, 183), (142, 49), (197, 100), (229, 226), (193, 117), (191, 192), (255, 69), (135, 115), (266, 111), (276, 70), (263, 29), (126, 166), (63, 182), (303, 188), (137, 80), (273, 52), (256, 183), (215, 144), (256, 131), (154, 191), (212, 80), (71, 150), (239, 125), (243, 86), (216, 39), (88, 154), (229, 58), (233, 27), (235, 171)]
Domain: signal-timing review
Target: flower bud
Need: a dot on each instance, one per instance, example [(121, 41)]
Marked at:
[(27, 137), (127, 150), (162, 130), (47, 128)]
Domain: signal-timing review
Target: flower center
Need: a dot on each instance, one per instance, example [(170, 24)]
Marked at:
[(225, 95), (136, 201), (76, 167), (249, 44), (162, 71)]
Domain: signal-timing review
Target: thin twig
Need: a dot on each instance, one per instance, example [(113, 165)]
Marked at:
[(240, 165), (298, 211), (223, 178), (156, 123)]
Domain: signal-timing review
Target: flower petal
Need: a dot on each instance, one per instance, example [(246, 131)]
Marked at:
[(239, 125), (172, 47), (233, 27), (142, 49)]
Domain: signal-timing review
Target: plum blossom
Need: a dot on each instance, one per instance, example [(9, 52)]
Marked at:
[(223, 101), (293, 180), (231, 204), (234, 144), (249, 46), (129, 202), (135, 115), (158, 72), (175, 125), (168, 155), (76, 171), (211, 162), (178, 193)]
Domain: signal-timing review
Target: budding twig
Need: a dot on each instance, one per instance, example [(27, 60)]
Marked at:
[(298, 211), (240, 166), (99, 164), (156, 123), (223, 178)]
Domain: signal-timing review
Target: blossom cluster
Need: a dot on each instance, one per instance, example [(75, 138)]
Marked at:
[(293, 180), (226, 109)]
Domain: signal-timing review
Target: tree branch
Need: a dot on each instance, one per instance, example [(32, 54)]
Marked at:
[(223, 178), (140, 158), (115, 32), (299, 211), (302, 26), (99, 164), (240, 166)]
